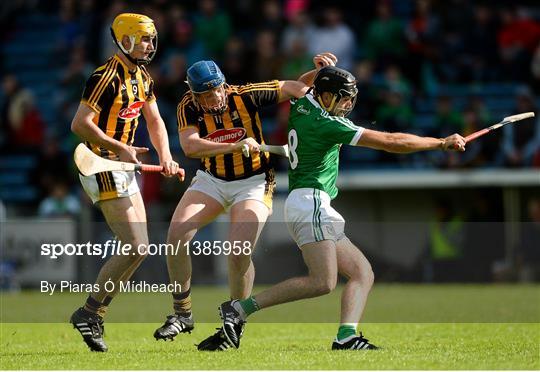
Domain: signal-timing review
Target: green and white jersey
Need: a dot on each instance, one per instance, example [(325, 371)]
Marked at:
[(315, 138)]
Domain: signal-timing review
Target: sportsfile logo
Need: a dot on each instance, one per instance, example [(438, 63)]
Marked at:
[(232, 135), (131, 112)]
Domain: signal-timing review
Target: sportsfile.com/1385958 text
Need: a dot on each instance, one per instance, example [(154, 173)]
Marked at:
[(116, 247)]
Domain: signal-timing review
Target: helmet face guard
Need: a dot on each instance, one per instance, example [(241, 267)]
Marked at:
[(338, 109), (341, 84), (213, 101), (135, 27), (208, 88)]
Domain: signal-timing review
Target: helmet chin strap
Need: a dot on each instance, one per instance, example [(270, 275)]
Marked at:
[(126, 52), (135, 61), (330, 107)]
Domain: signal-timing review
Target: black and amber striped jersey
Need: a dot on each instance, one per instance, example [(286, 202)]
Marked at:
[(117, 95), (239, 121)]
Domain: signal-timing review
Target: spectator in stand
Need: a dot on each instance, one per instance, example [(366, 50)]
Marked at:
[(296, 60), (172, 85), (392, 77), (298, 31), (422, 33), (182, 41), (450, 61), (173, 14), (59, 202), (384, 40), (334, 36), (73, 79), (518, 39), (237, 66), (76, 72), (172, 80), (70, 29), (53, 165), (394, 115), (366, 99), (296, 39), (455, 15), (22, 121), (478, 105), (88, 19), (447, 118), (535, 70), (521, 142), (267, 62), (481, 45), (212, 27), (271, 17)]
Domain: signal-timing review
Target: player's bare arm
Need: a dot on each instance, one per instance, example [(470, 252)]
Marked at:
[(298, 88), (406, 143), (83, 126), (197, 147), (160, 140)]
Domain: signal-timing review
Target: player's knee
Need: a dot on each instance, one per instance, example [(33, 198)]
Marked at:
[(363, 273), (324, 286), (180, 235), (367, 277)]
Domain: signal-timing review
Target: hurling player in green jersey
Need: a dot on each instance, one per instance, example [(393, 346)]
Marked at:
[(317, 129)]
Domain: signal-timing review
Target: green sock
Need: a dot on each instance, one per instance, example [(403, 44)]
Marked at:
[(346, 330), (249, 305)]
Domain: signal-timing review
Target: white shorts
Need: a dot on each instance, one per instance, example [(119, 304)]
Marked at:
[(310, 217), (109, 185), (227, 193)]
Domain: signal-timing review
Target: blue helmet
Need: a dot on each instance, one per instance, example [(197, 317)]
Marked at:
[(203, 76)]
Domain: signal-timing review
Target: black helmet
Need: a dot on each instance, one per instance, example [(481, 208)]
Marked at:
[(340, 83)]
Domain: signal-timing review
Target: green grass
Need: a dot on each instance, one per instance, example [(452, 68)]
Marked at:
[(278, 346), (496, 327)]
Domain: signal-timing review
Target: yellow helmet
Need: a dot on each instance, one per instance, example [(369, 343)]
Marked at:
[(134, 26)]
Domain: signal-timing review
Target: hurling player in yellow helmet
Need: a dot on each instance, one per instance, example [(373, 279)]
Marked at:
[(116, 94), (136, 36)]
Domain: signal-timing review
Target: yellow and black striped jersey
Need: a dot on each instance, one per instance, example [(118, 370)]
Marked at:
[(117, 95), (239, 121)]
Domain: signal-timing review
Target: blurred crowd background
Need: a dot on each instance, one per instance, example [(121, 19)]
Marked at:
[(429, 67)]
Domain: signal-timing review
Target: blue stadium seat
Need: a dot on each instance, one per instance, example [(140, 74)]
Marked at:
[(13, 178), (9, 162), (15, 175), (19, 194)]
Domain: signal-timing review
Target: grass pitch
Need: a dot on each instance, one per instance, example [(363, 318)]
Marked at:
[(400, 319)]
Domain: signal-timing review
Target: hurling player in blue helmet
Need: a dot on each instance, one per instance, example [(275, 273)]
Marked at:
[(207, 85), (215, 121)]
